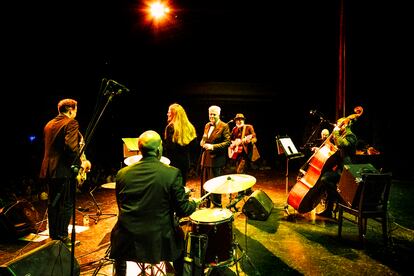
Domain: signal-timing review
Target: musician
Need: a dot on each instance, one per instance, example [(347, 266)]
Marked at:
[(324, 134), (242, 138), (216, 139), (180, 139), (150, 196), (345, 140), (62, 146)]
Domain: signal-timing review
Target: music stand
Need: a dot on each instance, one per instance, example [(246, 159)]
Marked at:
[(286, 146), (130, 147)]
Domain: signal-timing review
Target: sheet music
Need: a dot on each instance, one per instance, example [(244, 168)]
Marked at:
[(288, 146)]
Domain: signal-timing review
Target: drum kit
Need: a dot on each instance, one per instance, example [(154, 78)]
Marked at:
[(132, 160), (210, 241), (211, 238)]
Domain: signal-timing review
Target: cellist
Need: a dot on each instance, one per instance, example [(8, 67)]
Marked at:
[(345, 140)]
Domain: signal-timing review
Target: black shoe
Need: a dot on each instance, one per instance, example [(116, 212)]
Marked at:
[(205, 204), (234, 202), (68, 242), (217, 205), (240, 196), (326, 214), (248, 192)]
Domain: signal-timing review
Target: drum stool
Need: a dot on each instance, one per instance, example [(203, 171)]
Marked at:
[(152, 269), (141, 269)]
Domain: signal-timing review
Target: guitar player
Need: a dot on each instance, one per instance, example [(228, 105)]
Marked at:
[(62, 146), (242, 138)]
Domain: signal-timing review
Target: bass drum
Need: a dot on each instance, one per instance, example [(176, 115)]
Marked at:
[(216, 224)]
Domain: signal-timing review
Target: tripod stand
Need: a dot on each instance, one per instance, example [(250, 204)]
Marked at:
[(243, 252), (104, 261), (98, 209), (144, 269)]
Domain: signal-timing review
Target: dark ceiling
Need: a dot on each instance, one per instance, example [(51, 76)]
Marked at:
[(203, 41)]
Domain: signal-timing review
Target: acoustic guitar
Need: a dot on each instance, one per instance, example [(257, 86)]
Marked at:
[(85, 165), (83, 170), (236, 146)]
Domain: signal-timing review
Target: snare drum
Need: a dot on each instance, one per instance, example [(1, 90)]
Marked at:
[(216, 224)]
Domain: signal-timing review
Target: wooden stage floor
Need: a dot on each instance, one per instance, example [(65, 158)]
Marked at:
[(280, 245)]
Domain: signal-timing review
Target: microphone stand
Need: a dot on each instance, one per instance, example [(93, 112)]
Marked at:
[(312, 136), (75, 168)]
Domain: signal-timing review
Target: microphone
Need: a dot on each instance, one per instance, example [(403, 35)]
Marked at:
[(320, 115), (314, 112), (231, 121), (121, 87)]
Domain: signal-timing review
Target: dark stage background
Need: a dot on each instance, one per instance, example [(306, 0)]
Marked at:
[(274, 62)]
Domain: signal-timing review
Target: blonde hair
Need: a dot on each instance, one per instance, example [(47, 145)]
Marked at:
[(184, 130)]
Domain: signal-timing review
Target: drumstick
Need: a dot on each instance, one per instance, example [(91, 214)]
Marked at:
[(204, 196)]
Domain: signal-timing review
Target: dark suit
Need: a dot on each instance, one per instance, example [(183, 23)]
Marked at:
[(149, 194), (212, 161), (61, 141), (346, 144)]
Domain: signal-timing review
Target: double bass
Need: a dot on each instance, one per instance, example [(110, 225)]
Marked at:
[(305, 194)]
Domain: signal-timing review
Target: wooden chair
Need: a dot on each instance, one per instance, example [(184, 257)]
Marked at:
[(374, 190)]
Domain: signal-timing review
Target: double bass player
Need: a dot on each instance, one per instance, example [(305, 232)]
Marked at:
[(322, 172), (345, 140)]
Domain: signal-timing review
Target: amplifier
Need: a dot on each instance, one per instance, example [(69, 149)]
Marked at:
[(348, 187), (52, 258), (258, 206)]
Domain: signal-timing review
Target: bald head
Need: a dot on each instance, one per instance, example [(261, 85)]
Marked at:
[(149, 143), (324, 133)]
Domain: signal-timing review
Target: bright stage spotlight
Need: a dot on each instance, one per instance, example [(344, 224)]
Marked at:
[(158, 10)]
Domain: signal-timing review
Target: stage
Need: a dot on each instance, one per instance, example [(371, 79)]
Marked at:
[(281, 244)]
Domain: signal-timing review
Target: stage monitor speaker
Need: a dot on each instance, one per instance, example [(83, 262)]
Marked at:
[(53, 258), (17, 219), (258, 206), (348, 187)]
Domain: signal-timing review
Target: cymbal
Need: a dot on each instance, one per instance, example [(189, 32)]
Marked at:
[(135, 158), (110, 185), (230, 183)]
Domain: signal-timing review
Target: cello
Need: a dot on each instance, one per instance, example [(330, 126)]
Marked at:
[(305, 194)]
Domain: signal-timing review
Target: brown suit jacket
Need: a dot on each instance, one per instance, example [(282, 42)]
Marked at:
[(61, 137), (220, 138)]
